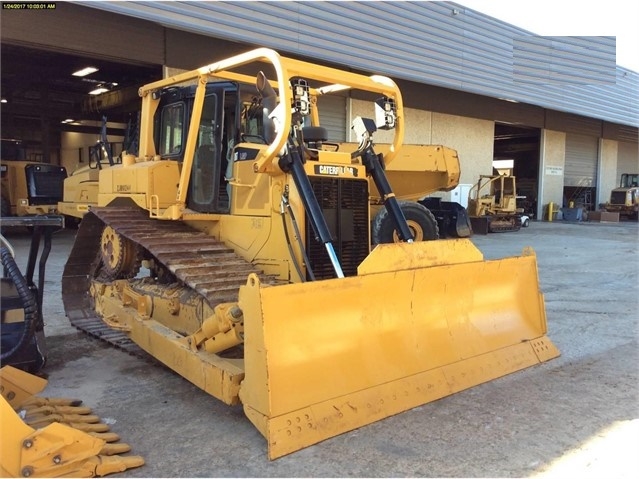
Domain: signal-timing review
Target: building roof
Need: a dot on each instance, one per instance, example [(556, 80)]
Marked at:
[(438, 43)]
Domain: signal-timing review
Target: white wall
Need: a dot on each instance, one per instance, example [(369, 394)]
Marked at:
[(551, 170), (73, 142), (607, 177), (472, 138)]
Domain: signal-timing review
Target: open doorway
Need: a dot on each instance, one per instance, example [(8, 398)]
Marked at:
[(516, 152)]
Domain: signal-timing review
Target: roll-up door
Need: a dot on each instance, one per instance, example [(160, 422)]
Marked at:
[(332, 115), (581, 160)]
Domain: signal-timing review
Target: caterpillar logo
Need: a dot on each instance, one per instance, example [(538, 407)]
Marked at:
[(332, 170), (123, 188)]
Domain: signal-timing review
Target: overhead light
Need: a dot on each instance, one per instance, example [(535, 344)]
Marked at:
[(85, 71), (99, 90), (68, 120), (4, 100)]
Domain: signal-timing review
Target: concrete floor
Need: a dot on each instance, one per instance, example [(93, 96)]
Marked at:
[(575, 416)]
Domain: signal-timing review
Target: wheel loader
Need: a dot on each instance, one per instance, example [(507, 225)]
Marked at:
[(235, 249), (28, 187), (625, 199)]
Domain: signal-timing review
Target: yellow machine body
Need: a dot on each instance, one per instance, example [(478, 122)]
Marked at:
[(493, 195), (80, 192), (30, 188), (53, 437), (352, 359), (492, 204), (241, 301), (625, 199)]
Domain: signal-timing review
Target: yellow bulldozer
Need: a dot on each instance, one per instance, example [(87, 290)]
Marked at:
[(492, 205), (236, 249), (80, 190)]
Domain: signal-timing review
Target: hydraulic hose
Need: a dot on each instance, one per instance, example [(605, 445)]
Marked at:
[(309, 269), (288, 240), (28, 299), (292, 162), (374, 168)]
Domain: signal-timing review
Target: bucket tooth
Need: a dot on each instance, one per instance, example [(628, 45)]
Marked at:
[(113, 449), (52, 437)]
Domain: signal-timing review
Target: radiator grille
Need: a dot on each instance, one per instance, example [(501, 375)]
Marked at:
[(618, 198), (345, 207)]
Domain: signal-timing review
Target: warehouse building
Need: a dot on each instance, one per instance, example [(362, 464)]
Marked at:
[(557, 111)]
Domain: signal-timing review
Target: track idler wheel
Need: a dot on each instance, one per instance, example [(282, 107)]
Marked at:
[(120, 259)]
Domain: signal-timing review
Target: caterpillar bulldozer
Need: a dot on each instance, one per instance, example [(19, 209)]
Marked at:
[(625, 199), (492, 205), (236, 249), (28, 187)]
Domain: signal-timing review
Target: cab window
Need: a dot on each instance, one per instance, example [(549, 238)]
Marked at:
[(172, 130)]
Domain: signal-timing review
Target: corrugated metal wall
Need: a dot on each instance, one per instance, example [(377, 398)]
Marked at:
[(438, 43)]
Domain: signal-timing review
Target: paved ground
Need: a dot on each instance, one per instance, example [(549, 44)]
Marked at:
[(575, 416)]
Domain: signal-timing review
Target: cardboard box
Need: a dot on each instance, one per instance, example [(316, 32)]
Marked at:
[(603, 216)]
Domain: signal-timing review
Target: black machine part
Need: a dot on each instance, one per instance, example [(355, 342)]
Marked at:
[(452, 218), (364, 129), (423, 223), (16, 294), (23, 344)]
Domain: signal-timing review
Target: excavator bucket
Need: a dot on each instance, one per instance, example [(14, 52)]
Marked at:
[(420, 321), (53, 437)]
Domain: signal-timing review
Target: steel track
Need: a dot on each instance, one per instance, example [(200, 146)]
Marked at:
[(197, 260)]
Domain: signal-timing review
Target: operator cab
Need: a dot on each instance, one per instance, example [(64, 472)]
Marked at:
[(229, 116)]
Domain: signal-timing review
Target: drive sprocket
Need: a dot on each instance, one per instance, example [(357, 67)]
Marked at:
[(120, 256)]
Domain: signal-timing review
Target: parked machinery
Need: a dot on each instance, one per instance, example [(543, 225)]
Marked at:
[(625, 199), (259, 279), (492, 205), (81, 187), (28, 187), (417, 171)]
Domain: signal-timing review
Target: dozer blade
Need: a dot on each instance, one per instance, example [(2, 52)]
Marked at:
[(420, 321)]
